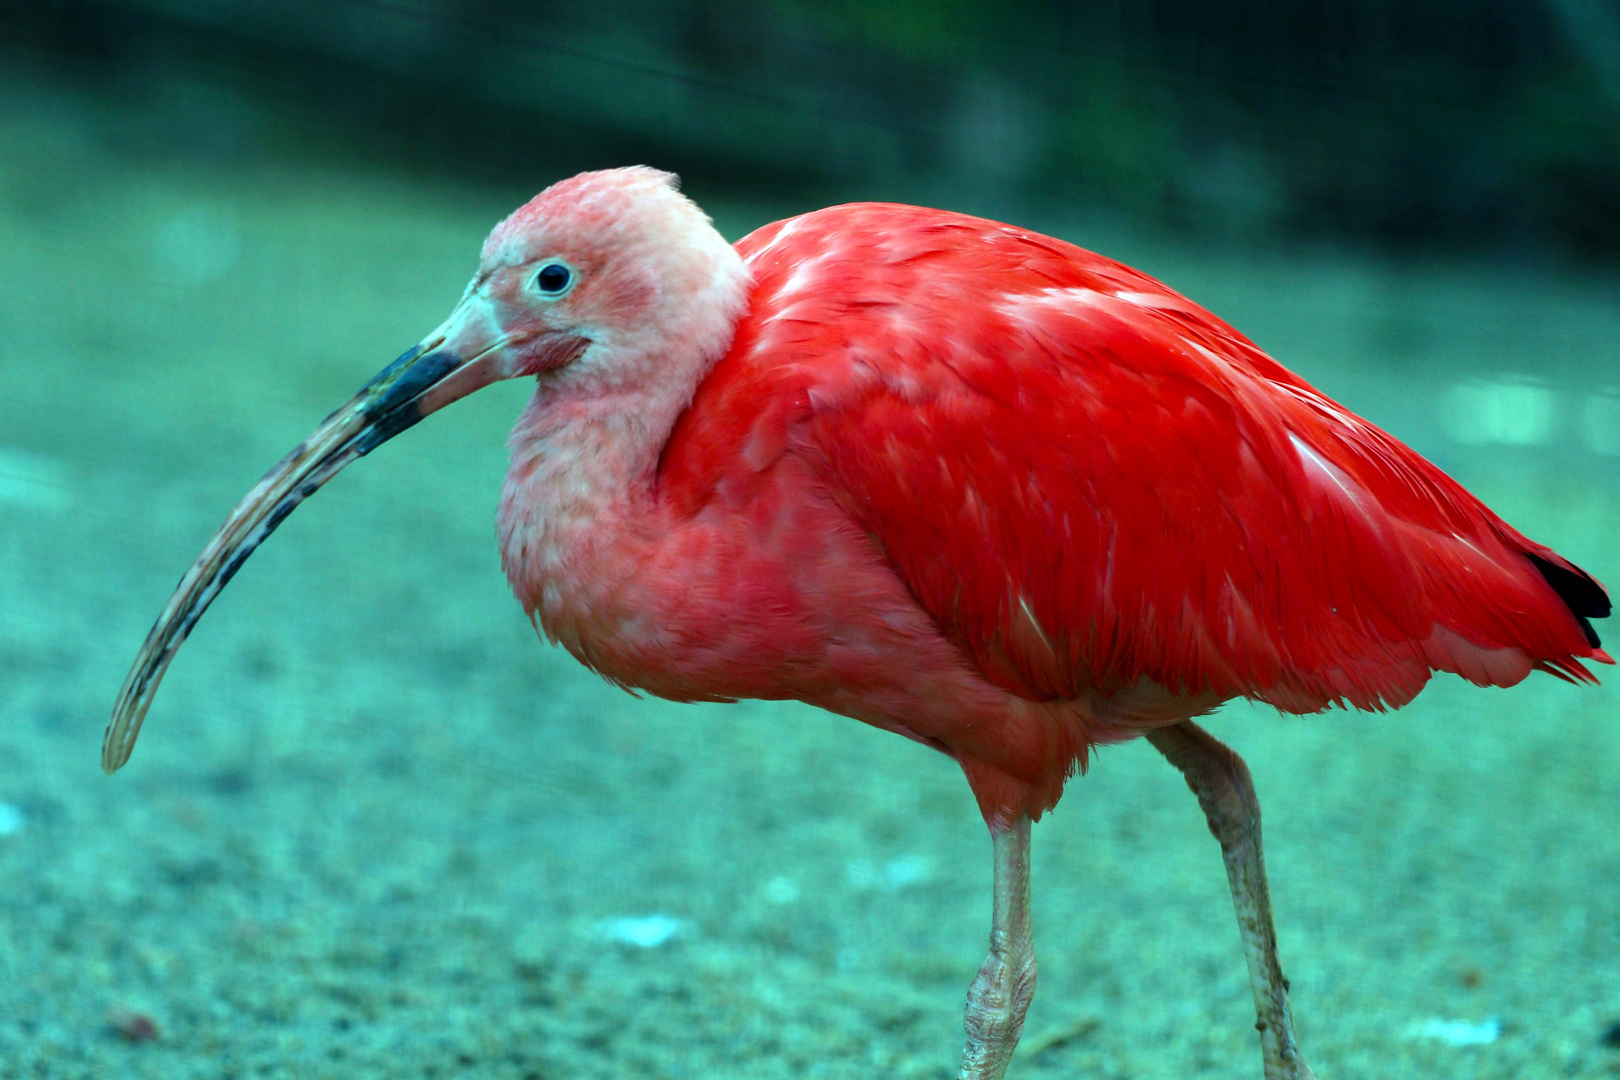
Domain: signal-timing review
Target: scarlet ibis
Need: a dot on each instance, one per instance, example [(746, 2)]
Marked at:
[(955, 479)]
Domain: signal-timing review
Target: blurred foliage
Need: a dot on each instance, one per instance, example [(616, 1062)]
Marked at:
[(1456, 122)]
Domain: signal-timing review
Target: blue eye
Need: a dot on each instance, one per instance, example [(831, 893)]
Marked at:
[(553, 279)]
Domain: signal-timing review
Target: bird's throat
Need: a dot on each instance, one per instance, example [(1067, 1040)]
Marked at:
[(579, 501), (580, 514)]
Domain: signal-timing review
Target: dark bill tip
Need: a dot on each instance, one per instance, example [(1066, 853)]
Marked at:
[(393, 408), (404, 379)]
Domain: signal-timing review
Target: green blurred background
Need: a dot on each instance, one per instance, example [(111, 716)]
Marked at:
[(1486, 125)]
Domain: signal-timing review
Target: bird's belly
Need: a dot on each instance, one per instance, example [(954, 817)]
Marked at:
[(783, 596), (789, 600), (727, 605)]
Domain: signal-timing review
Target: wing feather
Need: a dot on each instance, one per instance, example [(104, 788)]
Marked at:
[(1088, 481)]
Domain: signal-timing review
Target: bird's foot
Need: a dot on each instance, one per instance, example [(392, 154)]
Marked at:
[(1000, 995), (996, 1004)]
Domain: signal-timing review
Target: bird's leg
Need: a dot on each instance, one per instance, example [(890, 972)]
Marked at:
[(1220, 779), (1000, 995)]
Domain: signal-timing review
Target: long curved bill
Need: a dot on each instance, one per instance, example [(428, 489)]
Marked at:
[(424, 379)]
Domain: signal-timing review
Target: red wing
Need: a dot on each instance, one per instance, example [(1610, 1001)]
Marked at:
[(1087, 480)]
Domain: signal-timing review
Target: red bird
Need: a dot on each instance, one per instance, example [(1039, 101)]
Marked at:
[(952, 478)]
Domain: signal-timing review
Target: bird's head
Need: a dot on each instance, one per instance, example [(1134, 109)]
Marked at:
[(588, 286), (590, 281)]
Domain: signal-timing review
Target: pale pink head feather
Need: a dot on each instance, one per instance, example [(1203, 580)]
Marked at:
[(655, 278)]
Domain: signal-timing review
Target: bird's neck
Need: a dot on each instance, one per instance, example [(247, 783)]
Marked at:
[(580, 510), (587, 453)]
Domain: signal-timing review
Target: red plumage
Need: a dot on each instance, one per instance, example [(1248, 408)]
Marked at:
[(1088, 481), (954, 479)]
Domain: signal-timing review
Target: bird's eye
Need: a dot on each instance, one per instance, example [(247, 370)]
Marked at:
[(553, 280)]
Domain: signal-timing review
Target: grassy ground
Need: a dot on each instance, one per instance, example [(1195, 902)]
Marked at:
[(375, 829)]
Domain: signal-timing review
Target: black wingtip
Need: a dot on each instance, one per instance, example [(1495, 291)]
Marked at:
[(1584, 597)]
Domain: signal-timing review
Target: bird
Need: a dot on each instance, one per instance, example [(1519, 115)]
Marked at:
[(956, 479)]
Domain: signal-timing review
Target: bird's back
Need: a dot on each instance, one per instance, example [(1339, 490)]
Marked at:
[(1093, 485)]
